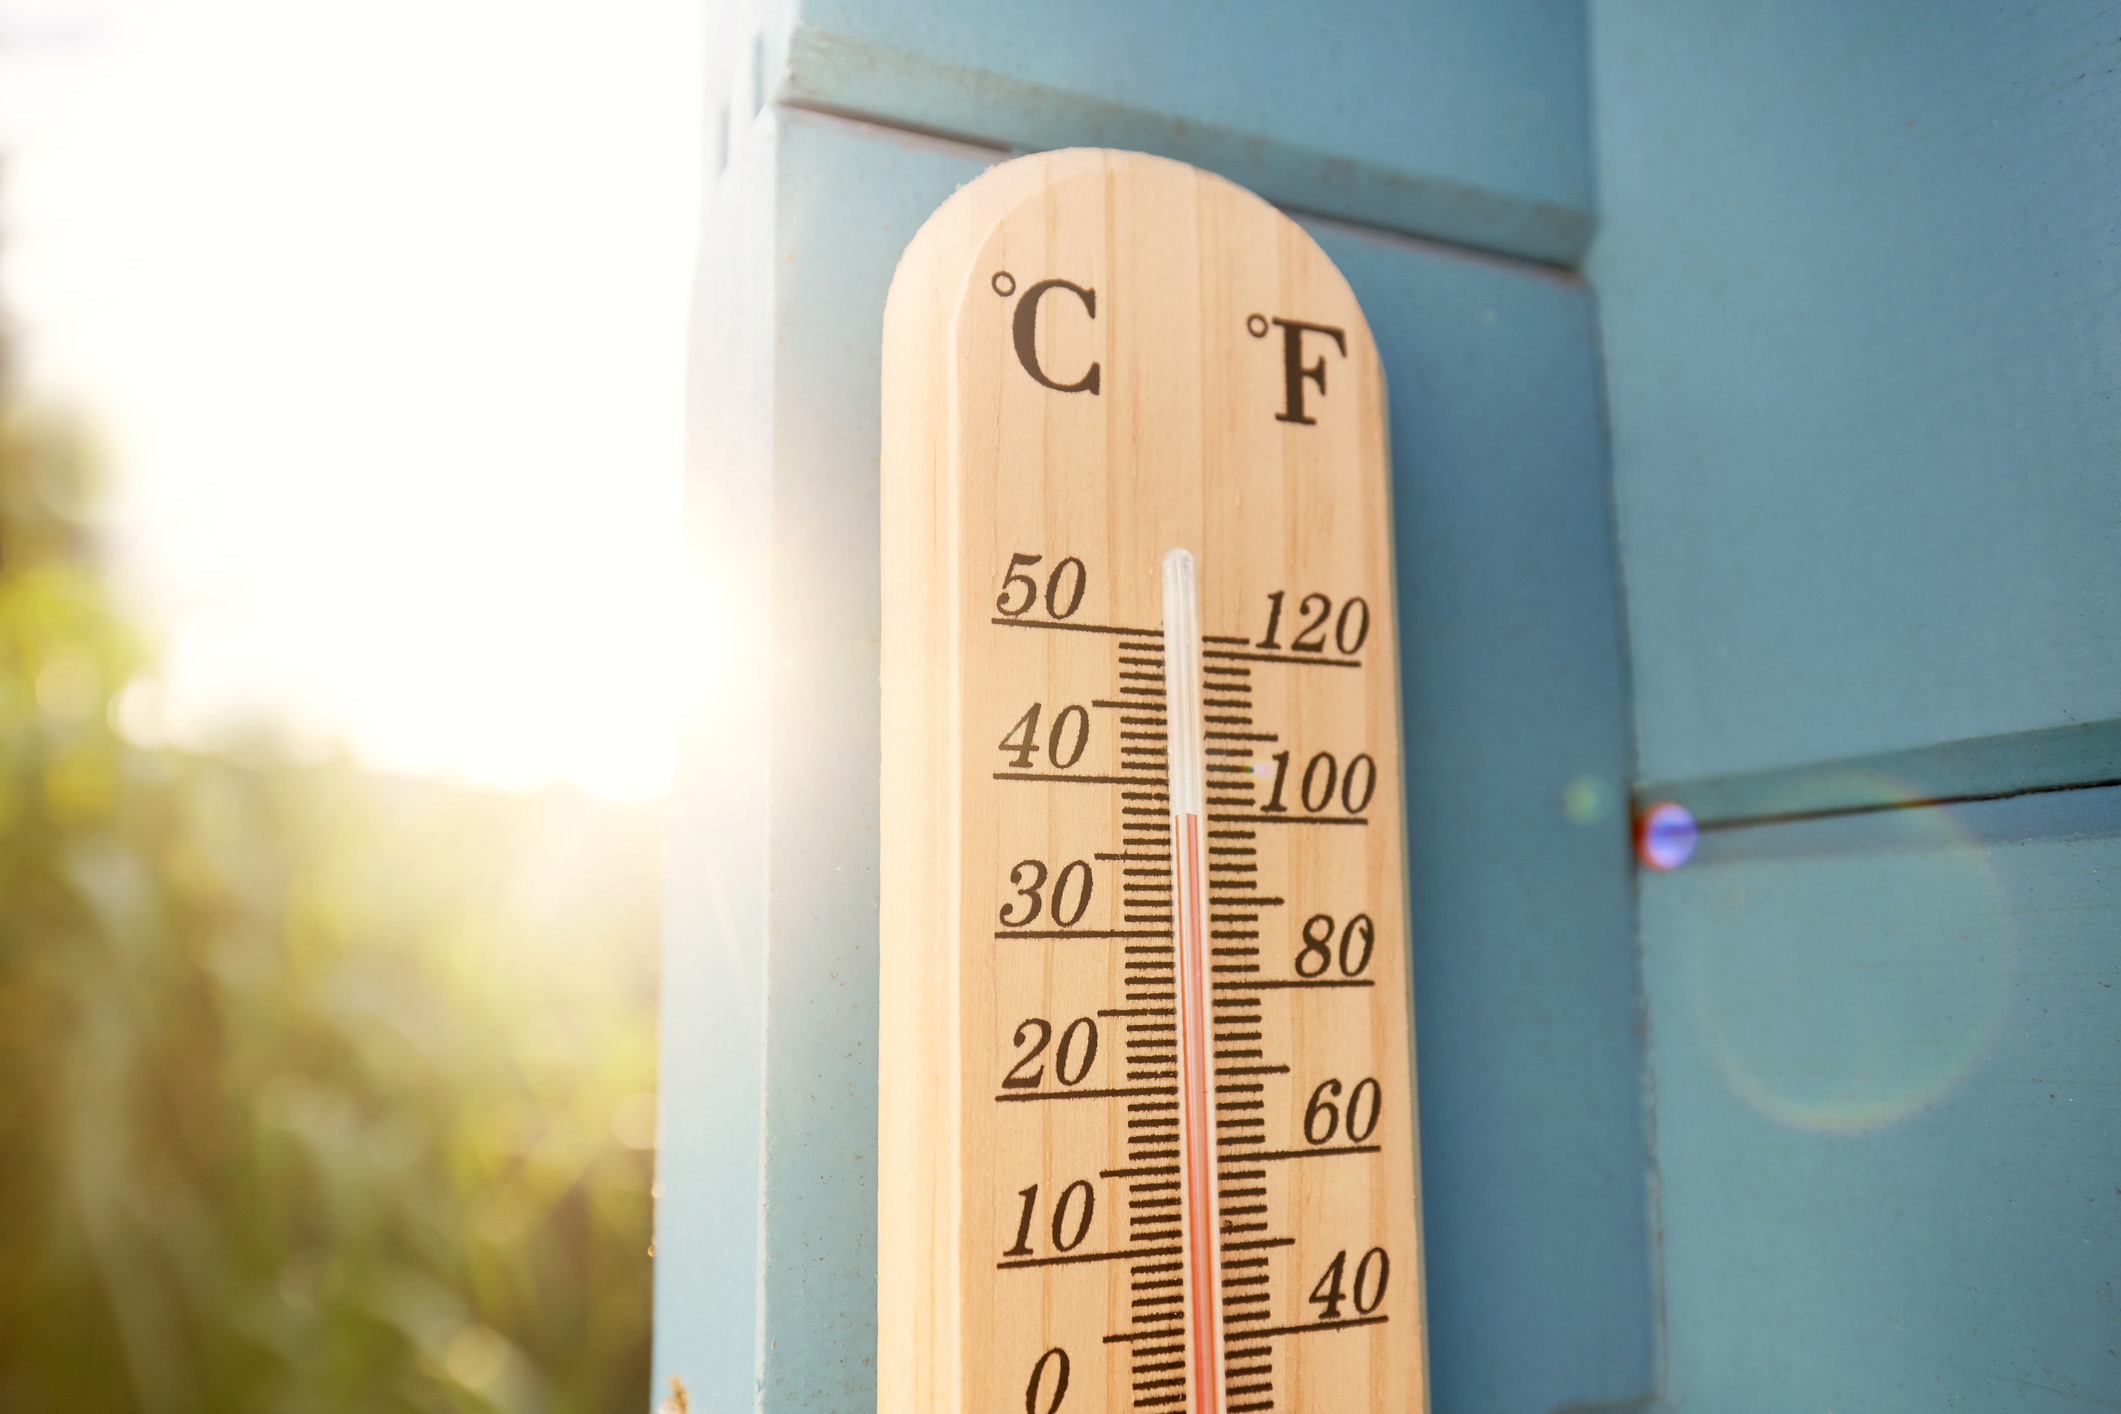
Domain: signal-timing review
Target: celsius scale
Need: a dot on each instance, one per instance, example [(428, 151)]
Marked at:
[(1146, 1121)]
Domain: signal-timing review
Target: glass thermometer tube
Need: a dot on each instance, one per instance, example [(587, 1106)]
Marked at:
[(1196, 1072)]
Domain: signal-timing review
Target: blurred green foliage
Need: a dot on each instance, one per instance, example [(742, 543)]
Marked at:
[(318, 1091)]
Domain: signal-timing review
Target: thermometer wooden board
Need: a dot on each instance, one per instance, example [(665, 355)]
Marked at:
[(1146, 1117)]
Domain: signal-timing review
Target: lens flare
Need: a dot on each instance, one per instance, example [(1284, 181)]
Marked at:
[(1665, 836), (1587, 799), (1843, 974)]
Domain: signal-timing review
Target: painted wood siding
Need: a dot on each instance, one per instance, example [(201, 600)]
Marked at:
[(1859, 275), (1523, 944), (1888, 1109), (1460, 119), (766, 1207), (1857, 272)]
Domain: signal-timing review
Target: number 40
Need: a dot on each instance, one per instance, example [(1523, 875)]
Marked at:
[(1369, 1289), (1070, 734)]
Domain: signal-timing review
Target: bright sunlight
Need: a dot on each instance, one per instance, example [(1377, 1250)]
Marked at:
[(381, 309)]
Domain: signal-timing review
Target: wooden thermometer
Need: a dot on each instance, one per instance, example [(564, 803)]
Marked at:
[(1147, 1129)]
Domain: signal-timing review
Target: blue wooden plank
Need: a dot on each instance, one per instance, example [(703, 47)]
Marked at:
[(1858, 277), (1888, 1110), (710, 1086), (1515, 710), (2015, 763), (1460, 119), (766, 1217), (1533, 1150)]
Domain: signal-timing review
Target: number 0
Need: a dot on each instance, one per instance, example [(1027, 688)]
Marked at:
[(1074, 751), (1354, 800), (1062, 914), (1360, 1128), (1086, 1028), (1038, 1375), (1061, 1241), (1350, 634), (1362, 1279), (1325, 793), (1074, 590)]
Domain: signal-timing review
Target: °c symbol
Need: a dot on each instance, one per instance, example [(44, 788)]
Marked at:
[(1004, 283), (1256, 325), (1026, 332)]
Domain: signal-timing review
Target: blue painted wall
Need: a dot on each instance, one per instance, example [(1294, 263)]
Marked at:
[(1463, 119), (1887, 1052), (1856, 278), (1862, 299), (1857, 271), (1526, 1047), (1528, 1052), (766, 1208)]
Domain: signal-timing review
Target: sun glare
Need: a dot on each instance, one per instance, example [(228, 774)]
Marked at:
[(381, 310)]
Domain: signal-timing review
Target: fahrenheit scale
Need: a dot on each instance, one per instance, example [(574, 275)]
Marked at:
[(1146, 1119)]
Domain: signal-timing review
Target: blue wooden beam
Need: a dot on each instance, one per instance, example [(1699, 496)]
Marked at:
[(1463, 120)]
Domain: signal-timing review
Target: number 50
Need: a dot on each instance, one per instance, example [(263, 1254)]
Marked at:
[(1064, 590)]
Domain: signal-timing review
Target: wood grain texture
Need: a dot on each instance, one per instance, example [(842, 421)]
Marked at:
[(1180, 446)]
